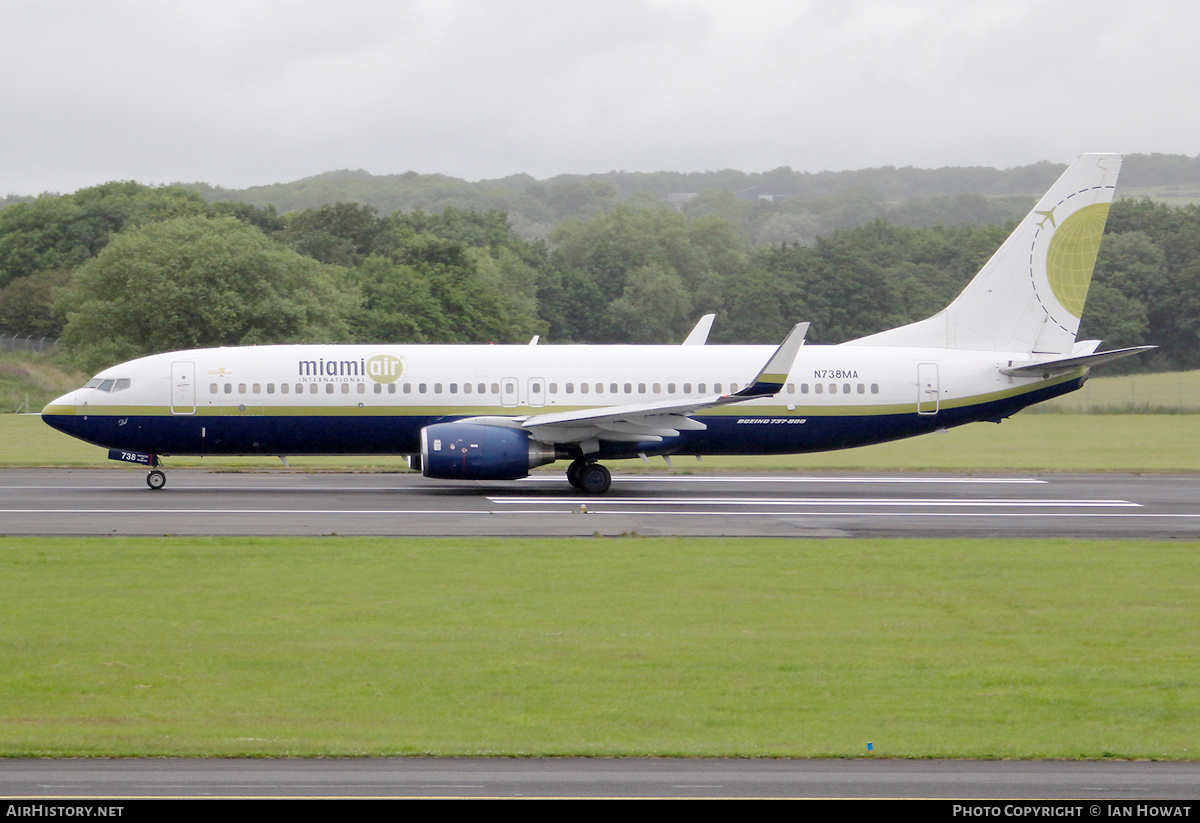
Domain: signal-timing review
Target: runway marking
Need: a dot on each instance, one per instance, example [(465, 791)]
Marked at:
[(601, 512), (821, 501), (805, 479), (110, 482)]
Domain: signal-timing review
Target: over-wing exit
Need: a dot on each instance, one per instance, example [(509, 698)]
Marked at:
[(463, 412)]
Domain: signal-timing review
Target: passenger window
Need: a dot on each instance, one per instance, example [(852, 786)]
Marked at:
[(804, 388), (437, 388), (421, 388), (241, 388), (392, 387), (270, 388), (454, 388), (791, 388), (583, 388), (481, 388), (641, 388), (345, 388), (379, 388), (329, 388), (570, 388), (862, 389), (700, 388), (466, 388), (818, 388), (212, 388), (312, 388), (874, 388), (554, 388), (229, 388), (670, 388)]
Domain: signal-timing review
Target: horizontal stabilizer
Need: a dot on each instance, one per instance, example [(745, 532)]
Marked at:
[(1045, 368)]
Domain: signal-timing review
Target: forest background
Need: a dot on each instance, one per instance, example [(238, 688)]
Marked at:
[(125, 269)]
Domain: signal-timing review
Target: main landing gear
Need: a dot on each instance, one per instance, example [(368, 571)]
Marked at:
[(589, 477)]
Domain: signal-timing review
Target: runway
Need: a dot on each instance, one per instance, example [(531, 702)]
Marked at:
[(195, 502), (1126, 782)]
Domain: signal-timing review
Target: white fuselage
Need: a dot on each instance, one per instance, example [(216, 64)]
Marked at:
[(267, 399)]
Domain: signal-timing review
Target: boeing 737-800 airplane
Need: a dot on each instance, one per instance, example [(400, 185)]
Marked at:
[(496, 412)]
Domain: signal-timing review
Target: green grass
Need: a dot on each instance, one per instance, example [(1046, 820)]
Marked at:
[(346, 646), (1165, 392), (34, 376), (1027, 442)]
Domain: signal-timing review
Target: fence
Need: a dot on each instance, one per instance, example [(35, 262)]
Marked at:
[(1163, 393), (28, 342)]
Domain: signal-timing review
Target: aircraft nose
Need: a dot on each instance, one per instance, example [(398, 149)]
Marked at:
[(61, 410)]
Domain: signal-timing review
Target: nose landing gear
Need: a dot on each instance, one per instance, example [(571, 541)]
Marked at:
[(156, 479)]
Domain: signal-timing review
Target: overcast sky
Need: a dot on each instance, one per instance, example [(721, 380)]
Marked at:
[(245, 92)]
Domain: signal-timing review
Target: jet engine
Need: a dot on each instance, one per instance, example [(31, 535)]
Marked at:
[(474, 451)]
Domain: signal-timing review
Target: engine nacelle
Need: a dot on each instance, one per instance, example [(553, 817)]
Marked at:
[(474, 451)]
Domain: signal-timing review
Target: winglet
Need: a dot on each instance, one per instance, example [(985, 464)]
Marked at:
[(773, 375), (699, 335)]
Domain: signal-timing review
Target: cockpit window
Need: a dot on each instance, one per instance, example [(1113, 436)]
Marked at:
[(110, 384)]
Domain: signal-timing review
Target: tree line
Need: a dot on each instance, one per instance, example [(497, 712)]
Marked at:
[(122, 269)]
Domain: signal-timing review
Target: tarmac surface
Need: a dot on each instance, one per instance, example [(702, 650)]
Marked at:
[(281, 502), (1129, 783)]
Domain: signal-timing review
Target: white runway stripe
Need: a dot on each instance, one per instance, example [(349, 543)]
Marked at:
[(629, 478), (815, 501)]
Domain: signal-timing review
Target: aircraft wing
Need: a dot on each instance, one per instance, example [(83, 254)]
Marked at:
[(653, 422)]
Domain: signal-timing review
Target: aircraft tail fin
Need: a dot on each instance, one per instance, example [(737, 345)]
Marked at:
[(1029, 296)]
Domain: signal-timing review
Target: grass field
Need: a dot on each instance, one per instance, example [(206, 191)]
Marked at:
[(1165, 392), (32, 378), (341, 646), (1026, 442), (624, 646)]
